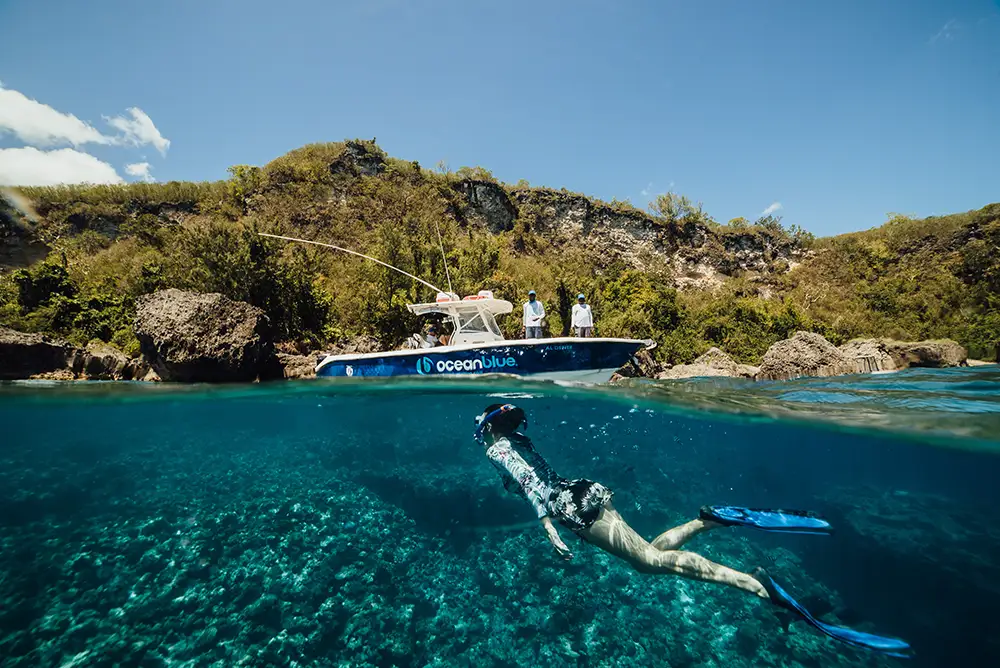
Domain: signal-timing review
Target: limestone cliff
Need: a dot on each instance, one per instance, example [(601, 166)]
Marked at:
[(697, 254)]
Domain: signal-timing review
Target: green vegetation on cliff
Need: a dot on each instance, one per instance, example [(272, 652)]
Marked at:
[(672, 274)]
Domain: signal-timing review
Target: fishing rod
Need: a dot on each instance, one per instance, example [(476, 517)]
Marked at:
[(443, 256), (347, 250)]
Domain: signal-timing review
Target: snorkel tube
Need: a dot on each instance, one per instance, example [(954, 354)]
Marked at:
[(488, 418)]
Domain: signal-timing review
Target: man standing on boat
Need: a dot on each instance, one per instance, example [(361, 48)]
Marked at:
[(583, 317), (533, 314)]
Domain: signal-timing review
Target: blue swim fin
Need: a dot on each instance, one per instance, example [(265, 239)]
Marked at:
[(884, 644), (782, 521)]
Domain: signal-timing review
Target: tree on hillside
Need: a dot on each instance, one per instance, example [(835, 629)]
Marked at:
[(986, 329), (675, 208)]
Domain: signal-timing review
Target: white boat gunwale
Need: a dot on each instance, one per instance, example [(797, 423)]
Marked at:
[(443, 350)]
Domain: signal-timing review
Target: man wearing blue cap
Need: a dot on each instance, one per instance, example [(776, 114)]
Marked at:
[(533, 314), (583, 317)]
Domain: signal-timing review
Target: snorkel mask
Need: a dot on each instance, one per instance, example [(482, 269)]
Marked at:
[(488, 418)]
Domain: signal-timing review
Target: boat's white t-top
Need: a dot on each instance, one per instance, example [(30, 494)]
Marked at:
[(473, 318)]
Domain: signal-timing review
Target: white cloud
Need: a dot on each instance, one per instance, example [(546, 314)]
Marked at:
[(947, 31), (140, 170), (29, 166), (139, 130), (39, 124), (775, 206)]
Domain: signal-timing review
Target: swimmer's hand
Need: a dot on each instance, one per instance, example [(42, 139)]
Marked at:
[(557, 542), (562, 550)]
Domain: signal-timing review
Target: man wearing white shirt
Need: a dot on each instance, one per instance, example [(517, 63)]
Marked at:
[(533, 314), (583, 317)]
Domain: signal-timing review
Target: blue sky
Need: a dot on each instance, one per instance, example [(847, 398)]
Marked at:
[(839, 111)]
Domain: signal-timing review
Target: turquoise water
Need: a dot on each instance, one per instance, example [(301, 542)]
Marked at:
[(357, 523)]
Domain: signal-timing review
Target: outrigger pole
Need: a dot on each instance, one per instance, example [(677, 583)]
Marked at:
[(346, 250)]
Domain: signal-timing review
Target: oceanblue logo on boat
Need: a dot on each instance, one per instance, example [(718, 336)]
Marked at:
[(485, 363)]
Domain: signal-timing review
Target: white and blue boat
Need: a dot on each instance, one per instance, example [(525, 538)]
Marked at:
[(477, 347)]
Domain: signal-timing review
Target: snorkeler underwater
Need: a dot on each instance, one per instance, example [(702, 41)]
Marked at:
[(360, 525), (586, 509)]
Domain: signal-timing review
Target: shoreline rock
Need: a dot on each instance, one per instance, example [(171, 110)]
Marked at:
[(99, 361), (714, 362), (196, 337), (805, 354), (939, 353), (869, 355), (297, 366), (25, 356)]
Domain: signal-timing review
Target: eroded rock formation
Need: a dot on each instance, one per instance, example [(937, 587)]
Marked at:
[(805, 354), (189, 336)]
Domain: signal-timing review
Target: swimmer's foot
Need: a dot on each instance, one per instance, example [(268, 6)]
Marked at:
[(781, 521), (884, 644)]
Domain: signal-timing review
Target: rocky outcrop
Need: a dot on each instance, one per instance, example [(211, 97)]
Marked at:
[(805, 354), (609, 233), (487, 203), (713, 363), (698, 255), (941, 353), (99, 361), (39, 356), (646, 366), (358, 159), (754, 251), (300, 362), (24, 355), (190, 336), (297, 366), (869, 355)]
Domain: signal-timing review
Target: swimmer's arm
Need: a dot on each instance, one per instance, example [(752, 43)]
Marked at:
[(557, 542)]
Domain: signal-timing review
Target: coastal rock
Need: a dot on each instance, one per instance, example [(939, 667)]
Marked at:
[(58, 374), (648, 367), (691, 371), (190, 336), (713, 362), (869, 355), (940, 353), (805, 354), (41, 357), (25, 355), (99, 361), (297, 366)]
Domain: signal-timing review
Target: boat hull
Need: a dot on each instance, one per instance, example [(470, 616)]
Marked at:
[(583, 360)]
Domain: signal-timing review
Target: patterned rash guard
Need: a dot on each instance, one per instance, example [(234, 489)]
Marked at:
[(524, 472)]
